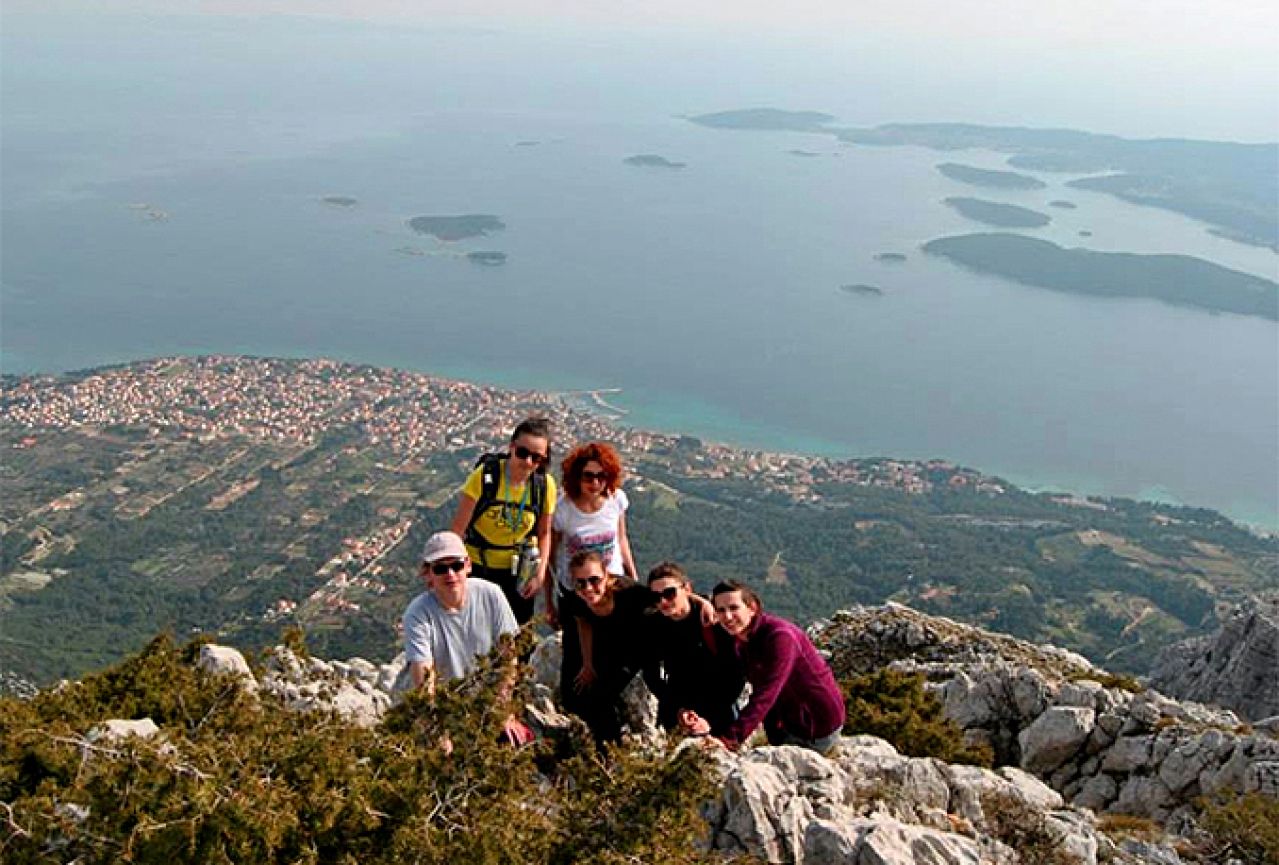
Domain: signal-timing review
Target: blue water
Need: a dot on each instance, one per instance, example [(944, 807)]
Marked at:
[(709, 294)]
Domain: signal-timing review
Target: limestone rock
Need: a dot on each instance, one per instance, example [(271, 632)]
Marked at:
[(224, 660), (1055, 737), (1235, 667), (118, 729)]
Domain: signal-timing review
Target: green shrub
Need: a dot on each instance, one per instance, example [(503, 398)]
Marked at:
[(895, 707), (1242, 827), (235, 778)]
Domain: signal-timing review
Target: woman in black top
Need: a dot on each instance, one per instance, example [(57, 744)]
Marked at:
[(599, 666)]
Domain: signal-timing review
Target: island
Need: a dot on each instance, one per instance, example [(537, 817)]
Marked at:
[(802, 153), (986, 177), (866, 290), (1085, 233), (451, 228), (1063, 205), (1175, 279), (488, 259), (998, 214), (768, 119), (890, 257), (527, 143), (652, 160), (340, 201)]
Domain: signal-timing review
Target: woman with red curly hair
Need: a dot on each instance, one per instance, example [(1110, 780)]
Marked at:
[(590, 515)]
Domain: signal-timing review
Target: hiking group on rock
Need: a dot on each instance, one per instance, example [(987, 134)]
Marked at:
[(514, 535)]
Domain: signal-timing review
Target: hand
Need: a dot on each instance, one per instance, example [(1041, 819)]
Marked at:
[(516, 731), (531, 587), (692, 723), (584, 679), (708, 611)]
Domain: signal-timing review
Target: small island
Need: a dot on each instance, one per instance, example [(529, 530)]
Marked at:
[(1176, 279), (1085, 233), (339, 201), (772, 119), (1063, 205), (805, 153), (489, 259), (862, 289), (452, 228), (998, 214), (890, 257), (527, 143), (652, 160), (975, 176)]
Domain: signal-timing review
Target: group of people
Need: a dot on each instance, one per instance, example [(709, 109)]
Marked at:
[(517, 534)]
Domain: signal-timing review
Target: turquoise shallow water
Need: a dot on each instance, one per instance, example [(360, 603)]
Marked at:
[(710, 294)]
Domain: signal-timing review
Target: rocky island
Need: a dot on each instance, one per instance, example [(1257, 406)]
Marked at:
[(998, 214), (1176, 279), (862, 289), (768, 119), (1062, 205), (890, 257), (489, 259), (453, 228), (986, 177), (339, 201), (652, 160)]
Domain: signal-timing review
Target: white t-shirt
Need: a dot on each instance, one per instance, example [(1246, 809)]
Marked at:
[(451, 640), (582, 531)]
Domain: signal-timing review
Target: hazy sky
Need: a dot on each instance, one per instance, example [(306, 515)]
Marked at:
[(1133, 67)]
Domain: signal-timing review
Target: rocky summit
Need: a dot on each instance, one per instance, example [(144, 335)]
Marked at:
[(1237, 667), (1073, 744)]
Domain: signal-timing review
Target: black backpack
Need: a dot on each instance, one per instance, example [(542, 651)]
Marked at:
[(491, 481)]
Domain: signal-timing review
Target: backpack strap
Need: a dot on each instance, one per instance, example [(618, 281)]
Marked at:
[(492, 466)]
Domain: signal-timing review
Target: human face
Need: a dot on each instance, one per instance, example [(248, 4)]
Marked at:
[(594, 479), (447, 579), (527, 453), (672, 597), (591, 583), (735, 615)]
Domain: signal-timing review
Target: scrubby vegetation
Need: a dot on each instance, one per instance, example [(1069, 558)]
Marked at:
[(1241, 828), (895, 707), (233, 777)]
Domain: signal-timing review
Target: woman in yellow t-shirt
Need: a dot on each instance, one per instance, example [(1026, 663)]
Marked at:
[(505, 511)]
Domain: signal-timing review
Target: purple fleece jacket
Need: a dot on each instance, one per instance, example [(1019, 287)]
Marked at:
[(792, 687)]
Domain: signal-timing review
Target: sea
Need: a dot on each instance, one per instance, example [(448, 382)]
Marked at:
[(163, 186)]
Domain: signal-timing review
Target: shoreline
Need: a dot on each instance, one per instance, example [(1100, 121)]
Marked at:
[(686, 416)]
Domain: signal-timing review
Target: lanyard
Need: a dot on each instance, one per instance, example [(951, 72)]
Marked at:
[(518, 522)]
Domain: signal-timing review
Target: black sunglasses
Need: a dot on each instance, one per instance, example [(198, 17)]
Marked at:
[(589, 581), (669, 593), (526, 454), (594, 476), (442, 568)]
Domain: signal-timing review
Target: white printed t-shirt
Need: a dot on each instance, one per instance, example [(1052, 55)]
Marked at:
[(451, 640), (581, 531)]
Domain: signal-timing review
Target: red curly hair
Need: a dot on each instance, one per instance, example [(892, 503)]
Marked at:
[(578, 457)]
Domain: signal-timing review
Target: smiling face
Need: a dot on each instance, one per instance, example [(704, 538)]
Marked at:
[(527, 453), (591, 583), (594, 479), (672, 597), (446, 579), (735, 613)]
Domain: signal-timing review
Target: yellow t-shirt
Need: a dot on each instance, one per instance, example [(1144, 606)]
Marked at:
[(504, 523)]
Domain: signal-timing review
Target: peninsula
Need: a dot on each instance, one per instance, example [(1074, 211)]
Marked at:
[(991, 179), (998, 214), (1175, 279), (451, 228)]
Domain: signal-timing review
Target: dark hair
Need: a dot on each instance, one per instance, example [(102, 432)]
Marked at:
[(537, 427), (578, 457), (748, 594), (581, 558), (667, 570)]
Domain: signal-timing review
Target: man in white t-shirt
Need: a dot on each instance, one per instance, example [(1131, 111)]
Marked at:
[(455, 621)]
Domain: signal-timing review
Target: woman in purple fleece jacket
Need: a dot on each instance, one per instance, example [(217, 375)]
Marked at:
[(793, 691)]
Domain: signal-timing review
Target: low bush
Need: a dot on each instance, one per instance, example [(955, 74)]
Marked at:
[(896, 707), (235, 778), (1244, 828)]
